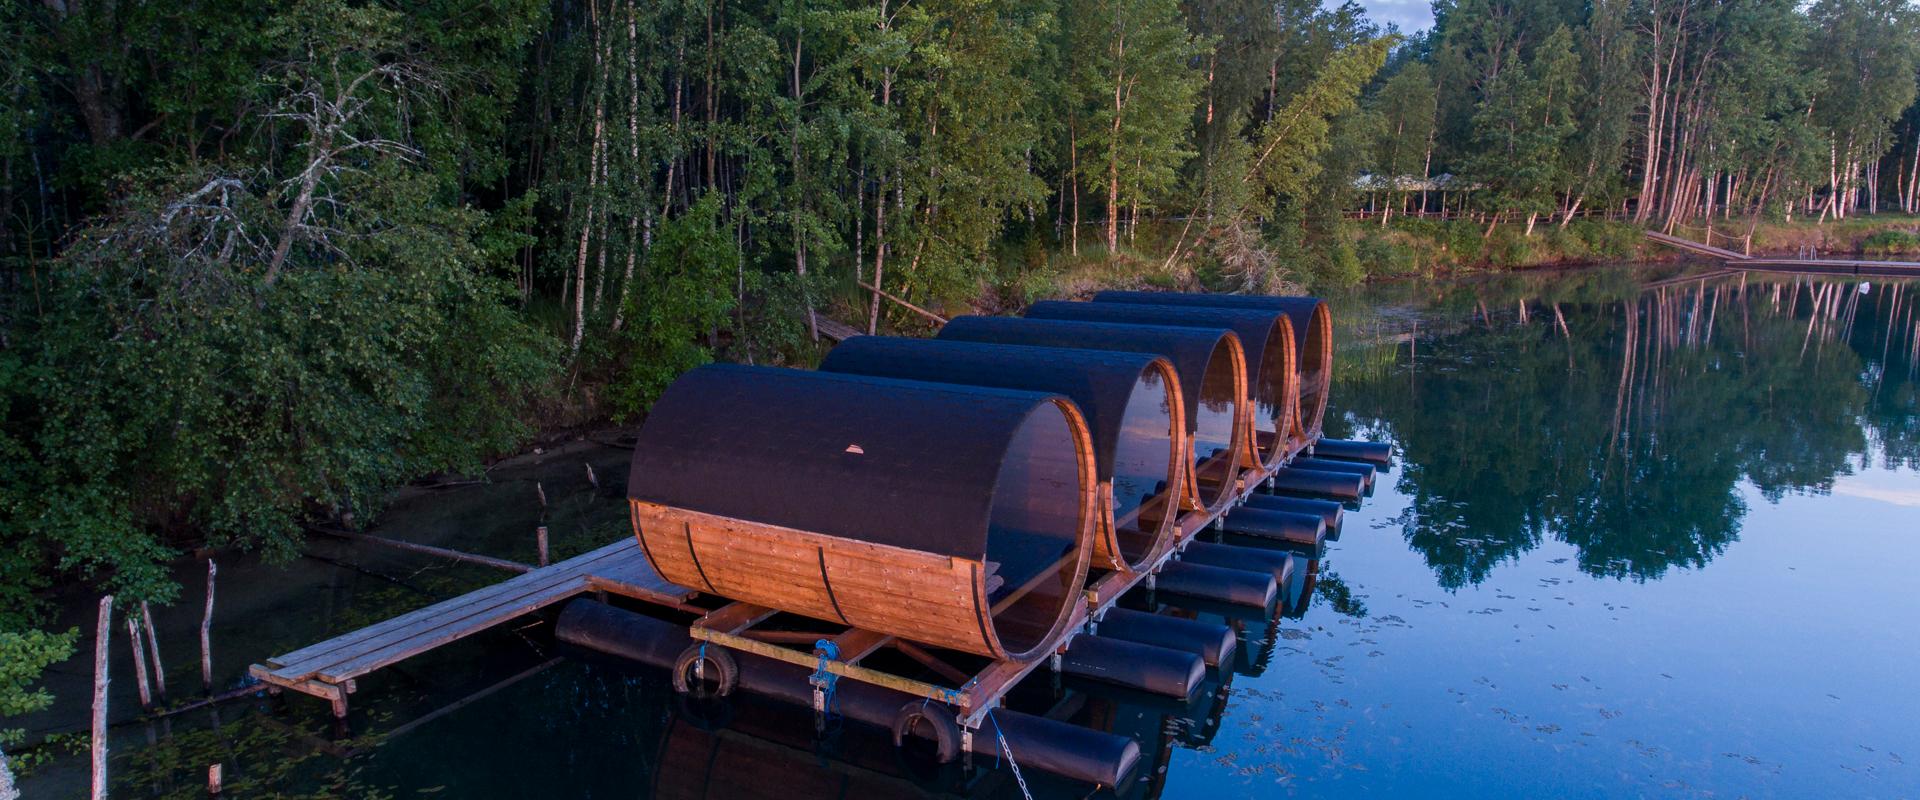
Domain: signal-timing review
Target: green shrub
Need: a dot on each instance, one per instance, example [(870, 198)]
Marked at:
[(686, 294), (1464, 241), (1386, 255), (1610, 241), (1887, 243)]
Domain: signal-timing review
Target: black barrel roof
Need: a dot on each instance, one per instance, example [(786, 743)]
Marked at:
[(1100, 381), (1299, 310), (892, 462), (1253, 325), (1190, 349)]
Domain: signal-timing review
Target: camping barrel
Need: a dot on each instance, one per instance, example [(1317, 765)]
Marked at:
[(1132, 406), (1312, 334), (1213, 381), (959, 517), (1267, 337)]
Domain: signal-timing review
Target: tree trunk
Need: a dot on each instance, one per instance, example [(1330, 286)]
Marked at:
[(1073, 160), (880, 201), (102, 644), (633, 164), (799, 204), (1113, 150), (595, 153)]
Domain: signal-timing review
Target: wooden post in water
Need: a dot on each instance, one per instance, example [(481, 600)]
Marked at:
[(540, 537), (102, 639), (206, 629), (153, 651), (139, 662), (216, 780)]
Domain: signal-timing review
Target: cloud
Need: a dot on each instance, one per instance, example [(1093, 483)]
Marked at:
[(1410, 15)]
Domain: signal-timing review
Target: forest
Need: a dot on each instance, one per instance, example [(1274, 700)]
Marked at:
[(261, 263)]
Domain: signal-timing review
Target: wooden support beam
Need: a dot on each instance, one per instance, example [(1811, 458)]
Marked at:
[(857, 644), (937, 319), (471, 558), (734, 618)]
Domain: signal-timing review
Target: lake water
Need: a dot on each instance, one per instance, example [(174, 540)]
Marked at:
[(1645, 537)]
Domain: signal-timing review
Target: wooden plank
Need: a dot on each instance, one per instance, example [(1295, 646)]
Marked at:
[(734, 618), (444, 613), (538, 578), (857, 644), (635, 577), (431, 638), (854, 671), (486, 603), (987, 687)]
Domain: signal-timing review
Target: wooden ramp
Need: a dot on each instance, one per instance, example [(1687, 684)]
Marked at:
[(327, 670), (1694, 247)]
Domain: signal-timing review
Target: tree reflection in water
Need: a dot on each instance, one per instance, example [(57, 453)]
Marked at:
[(1620, 415)]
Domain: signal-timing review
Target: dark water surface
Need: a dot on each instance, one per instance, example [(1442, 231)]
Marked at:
[(1645, 538)]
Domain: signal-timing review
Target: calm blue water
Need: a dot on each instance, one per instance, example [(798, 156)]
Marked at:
[(1642, 541)]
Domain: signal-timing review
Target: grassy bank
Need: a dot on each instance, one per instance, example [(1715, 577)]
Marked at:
[(1040, 267)]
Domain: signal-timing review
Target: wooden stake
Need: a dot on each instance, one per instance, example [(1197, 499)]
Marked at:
[(215, 779), (206, 629), (542, 491), (102, 639), (139, 663), (153, 651), (540, 537)]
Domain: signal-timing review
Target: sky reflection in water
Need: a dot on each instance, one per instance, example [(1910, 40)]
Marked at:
[(1661, 543)]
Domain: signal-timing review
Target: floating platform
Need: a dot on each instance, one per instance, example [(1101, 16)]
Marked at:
[(1014, 480)]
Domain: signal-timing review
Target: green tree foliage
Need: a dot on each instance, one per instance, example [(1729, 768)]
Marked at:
[(1524, 119), (1133, 86), (683, 301)]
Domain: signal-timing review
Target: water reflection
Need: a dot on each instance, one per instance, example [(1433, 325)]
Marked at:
[(1620, 416)]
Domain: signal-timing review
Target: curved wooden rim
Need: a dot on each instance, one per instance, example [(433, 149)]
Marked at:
[(1177, 455), (1309, 426), (1083, 548)]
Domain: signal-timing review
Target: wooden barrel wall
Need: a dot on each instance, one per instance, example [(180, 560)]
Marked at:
[(1131, 401), (1268, 339), (955, 516), (1312, 335), (1213, 382)]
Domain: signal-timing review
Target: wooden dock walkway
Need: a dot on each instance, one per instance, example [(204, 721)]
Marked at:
[(327, 670), (1833, 266), (1694, 247)]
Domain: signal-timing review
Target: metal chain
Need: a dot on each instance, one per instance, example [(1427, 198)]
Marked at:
[(1017, 777)]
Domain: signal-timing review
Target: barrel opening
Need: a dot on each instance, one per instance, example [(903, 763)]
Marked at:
[(1036, 556), (1272, 394), (1316, 371), (1147, 469), (1215, 419)]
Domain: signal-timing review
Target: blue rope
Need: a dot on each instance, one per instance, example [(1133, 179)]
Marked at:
[(821, 677)]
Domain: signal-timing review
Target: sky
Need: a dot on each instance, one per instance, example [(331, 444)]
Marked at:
[(1410, 15)]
